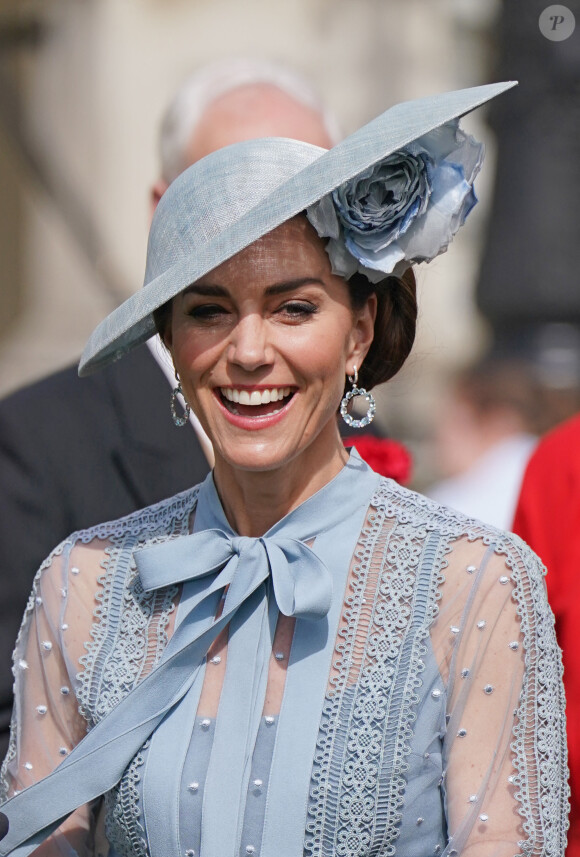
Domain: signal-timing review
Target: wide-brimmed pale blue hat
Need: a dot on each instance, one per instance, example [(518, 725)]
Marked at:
[(232, 197)]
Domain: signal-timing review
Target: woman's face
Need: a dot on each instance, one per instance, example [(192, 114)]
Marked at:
[(262, 345)]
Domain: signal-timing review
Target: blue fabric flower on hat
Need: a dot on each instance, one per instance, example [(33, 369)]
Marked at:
[(404, 209)]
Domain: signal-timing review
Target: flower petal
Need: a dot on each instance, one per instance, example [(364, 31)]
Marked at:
[(404, 209)]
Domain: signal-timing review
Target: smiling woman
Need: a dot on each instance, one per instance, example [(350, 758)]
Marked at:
[(296, 657)]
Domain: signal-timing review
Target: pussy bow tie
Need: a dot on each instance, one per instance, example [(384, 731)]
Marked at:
[(302, 587), (301, 582)]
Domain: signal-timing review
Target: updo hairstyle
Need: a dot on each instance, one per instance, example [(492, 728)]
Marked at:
[(395, 324)]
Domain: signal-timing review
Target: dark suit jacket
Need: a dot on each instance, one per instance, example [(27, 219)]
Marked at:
[(73, 453)]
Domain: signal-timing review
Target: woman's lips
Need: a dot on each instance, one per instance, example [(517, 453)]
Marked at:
[(252, 403)]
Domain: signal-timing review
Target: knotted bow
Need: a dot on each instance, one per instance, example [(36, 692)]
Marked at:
[(302, 584)]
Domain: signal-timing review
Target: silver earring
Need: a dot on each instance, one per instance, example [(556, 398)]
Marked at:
[(177, 391), (352, 394)]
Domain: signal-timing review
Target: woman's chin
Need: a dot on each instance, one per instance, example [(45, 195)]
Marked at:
[(257, 457)]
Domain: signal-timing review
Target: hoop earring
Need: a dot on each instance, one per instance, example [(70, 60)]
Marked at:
[(352, 394), (179, 421)]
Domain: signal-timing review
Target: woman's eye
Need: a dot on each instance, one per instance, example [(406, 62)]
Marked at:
[(206, 312), (298, 309)]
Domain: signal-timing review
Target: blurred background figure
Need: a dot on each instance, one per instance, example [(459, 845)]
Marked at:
[(548, 519), (487, 430), (234, 100), (77, 452)]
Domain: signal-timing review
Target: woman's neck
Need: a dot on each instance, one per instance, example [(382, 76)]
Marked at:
[(254, 501)]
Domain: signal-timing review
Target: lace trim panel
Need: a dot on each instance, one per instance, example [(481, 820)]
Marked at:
[(363, 746), (129, 635)]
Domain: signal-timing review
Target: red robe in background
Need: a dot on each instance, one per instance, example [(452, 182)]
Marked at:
[(548, 519)]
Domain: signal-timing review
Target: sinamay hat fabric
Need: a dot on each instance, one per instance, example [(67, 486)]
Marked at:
[(230, 198)]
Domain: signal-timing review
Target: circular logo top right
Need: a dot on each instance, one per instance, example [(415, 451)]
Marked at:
[(557, 23)]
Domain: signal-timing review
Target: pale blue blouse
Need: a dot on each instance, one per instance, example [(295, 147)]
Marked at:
[(422, 710)]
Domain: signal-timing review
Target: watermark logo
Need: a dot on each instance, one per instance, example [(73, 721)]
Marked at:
[(557, 23)]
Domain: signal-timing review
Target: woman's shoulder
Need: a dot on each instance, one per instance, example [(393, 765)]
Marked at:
[(154, 523), (163, 514), (422, 513)]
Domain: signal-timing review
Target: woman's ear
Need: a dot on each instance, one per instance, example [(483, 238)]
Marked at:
[(363, 330)]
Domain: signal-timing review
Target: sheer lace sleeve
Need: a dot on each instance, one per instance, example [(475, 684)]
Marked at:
[(504, 747), (46, 722)]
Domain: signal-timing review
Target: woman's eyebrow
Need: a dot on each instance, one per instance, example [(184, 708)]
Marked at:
[(290, 285), (206, 290), (214, 291)]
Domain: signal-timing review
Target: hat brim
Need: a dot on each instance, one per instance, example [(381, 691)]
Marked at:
[(132, 323)]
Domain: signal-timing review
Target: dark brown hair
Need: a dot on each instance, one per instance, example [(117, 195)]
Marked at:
[(395, 324)]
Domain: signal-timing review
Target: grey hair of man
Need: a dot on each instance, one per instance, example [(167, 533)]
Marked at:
[(200, 89)]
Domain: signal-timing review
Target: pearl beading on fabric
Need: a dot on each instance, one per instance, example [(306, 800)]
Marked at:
[(464, 674)]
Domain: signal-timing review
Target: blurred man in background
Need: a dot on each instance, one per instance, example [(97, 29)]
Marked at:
[(113, 432), (486, 431)]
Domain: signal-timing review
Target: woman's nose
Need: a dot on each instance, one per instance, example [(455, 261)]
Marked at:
[(249, 345)]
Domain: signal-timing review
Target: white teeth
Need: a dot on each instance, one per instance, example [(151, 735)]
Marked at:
[(256, 397)]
